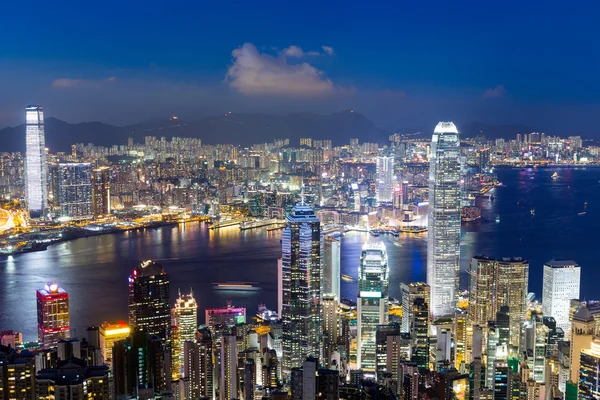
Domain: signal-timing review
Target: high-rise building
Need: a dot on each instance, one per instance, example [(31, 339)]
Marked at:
[(109, 333), (410, 292), (561, 284), (198, 365), (393, 347), (302, 255), (443, 238), (419, 333), (511, 289), (101, 191), (331, 267), (75, 190), (330, 326), (481, 290), (589, 372), (53, 314), (372, 302), (149, 300), (582, 333), (224, 317), (384, 189), (36, 165), (185, 318), (229, 374)]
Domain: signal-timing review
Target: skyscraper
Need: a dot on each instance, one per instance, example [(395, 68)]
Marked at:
[(110, 333), (372, 302), (589, 372), (443, 238), (198, 365), (149, 300), (35, 162), (410, 292), (53, 314), (384, 188), (561, 284), (101, 191), (185, 316), (302, 255), (331, 267), (229, 362), (511, 289), (481, 290), (419, 333), (75, 190)]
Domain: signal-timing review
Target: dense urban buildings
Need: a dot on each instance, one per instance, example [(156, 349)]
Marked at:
[(36, 165), (74, 194), (443, 249)]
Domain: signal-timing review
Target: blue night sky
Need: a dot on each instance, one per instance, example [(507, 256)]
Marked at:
[(403, 64)]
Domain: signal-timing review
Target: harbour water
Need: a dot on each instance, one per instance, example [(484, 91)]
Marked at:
[(94, 270)]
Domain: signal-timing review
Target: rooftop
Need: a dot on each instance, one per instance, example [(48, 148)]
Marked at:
[(561, 263), (446, 127)]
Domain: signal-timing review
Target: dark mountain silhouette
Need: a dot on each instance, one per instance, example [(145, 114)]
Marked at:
[(241, 129)]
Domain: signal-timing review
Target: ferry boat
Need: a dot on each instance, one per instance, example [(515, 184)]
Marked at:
[(497, 218), (347, 278), (532, 211), (241, 286), (582, 213), (555, 176), (414, 229)]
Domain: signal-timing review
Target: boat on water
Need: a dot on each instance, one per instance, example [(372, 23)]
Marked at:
[(239, 286), (555, 175), (497, 218), (375, 233), (582, 213), (347, 278), (532, 211)]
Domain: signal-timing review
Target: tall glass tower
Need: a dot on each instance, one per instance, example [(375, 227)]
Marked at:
[(443, 238), (36, 166), (149, 300), (301, 264), (372, 302), (384, 188)]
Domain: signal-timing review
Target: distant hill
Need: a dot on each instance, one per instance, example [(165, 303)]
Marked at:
[(242, 129)]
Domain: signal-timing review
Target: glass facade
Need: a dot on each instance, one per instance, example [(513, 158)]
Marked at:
[(53, 314), (302, 255), (589, 372), (75, 190), (35, 162), (101, 191), (372, 302), (561, 284), (185, 318), (443, 239), (385, 179)]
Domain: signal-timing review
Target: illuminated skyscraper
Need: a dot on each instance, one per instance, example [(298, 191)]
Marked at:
[(410, 292), (229, 362), (511, 289), (53, 314), (35, 162), (111, 332), (561, 285), (198, 365), (302, 255), (149, 300), (331, 267), (384, 188), (101, 191), (481, 290), (75, 190), (185, 318), (443, 238), (372, 302), (589, 372), (224, 317), (419, 333)]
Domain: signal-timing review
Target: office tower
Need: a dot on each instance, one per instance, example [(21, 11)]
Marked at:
[(581, 336), (310, 382), (372, 302), (149, 300), (536, 338), (462, 339), (302, 254), (589, 372), (501, 380), (75, 190), (384, 188), (410, 292), (139, 366), (330, 327), (392, 348), (228, 361), (419, 333), (185, 320), (109, 333), (443, 348), (443, 238), (561, 284), (224, 317), (408, 381), (52, 314), (331, 267), (511, 289), (481, 290), (101, 191), (198, 365), (36, 167)]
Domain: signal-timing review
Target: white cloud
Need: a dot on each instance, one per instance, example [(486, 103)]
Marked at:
[(66, 83), (256, 73), (328, 50), (494, 93)]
